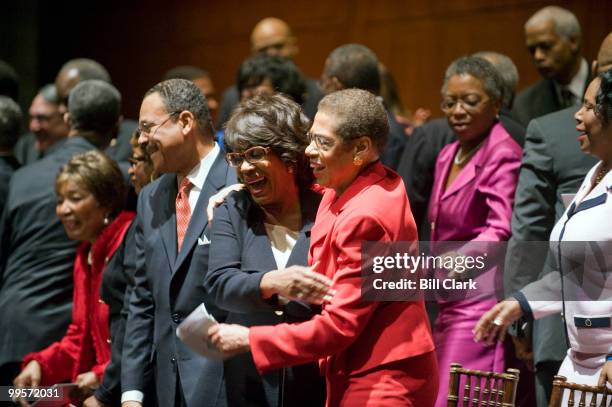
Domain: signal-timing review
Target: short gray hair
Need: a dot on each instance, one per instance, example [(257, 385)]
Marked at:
[(10, 122), (355, 66), (566, 23), (357, 113), (507, 70), (181, 94), (480, 69), (95, 105)]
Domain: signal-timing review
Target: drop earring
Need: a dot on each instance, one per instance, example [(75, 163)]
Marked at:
[(357, 161), (106, 220)]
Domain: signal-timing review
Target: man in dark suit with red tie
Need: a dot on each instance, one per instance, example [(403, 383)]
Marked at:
[(172, 240)]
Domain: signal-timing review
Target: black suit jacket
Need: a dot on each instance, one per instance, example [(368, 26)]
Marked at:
[(36, 258), (240, 255), (167, 287), (552, 165), (418, 162), (537, 100), (8, 165), (116, 288), (231, 99), (396, 142)]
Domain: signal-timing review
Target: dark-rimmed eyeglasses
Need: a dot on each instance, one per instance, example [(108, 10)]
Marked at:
[(252, 156), (146, 127)]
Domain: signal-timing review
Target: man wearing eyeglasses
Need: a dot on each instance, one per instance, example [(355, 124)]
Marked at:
[(47, 127), (172, 239)]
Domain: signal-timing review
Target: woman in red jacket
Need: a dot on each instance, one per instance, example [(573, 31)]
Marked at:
[(373, 353), (90, 196)]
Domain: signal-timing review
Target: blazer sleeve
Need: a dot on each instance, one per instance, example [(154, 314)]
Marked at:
[(232, 287), (534, 212), (136, 366), (341, 321), (58, 360)]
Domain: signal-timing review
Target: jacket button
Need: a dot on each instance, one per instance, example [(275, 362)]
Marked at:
[(173, 359), (109, 341), (588, 322), (101, 301), (279, 313), (176, 317)]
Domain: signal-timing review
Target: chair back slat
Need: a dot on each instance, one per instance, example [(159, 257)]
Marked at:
[(482, 388), (578, 393)]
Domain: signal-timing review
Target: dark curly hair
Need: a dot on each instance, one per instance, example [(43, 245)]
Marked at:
[(281, 72), (603, 100), (272, 121)]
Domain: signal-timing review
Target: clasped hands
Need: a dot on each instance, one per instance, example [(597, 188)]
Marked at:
[(295, 283)]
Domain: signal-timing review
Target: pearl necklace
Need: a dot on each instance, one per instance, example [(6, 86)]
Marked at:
[(462, 160)]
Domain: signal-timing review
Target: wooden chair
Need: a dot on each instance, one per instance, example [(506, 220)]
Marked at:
[(482, 388), (560, 384)]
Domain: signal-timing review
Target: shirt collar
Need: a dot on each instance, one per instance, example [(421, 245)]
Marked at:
[(578, 84), (197, 176)]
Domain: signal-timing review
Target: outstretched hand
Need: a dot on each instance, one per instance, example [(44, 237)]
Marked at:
[(229, 339), (297, 283), (493, 324)]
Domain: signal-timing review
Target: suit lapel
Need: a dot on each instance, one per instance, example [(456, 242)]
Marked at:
[(198, 223), (168, 229)]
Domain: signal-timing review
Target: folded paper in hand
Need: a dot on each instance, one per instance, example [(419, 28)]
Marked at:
[(193, 332)]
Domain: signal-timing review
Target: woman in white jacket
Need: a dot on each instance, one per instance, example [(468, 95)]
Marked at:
[(581, 286)]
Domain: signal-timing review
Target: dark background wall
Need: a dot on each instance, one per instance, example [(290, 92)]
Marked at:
[(139, 40)]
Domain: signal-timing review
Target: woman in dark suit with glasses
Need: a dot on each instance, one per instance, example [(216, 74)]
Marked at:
[(259, 246)]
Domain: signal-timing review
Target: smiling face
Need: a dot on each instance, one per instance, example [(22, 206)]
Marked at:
[(79, 211), (46, 123), (468, 108), (330, 158), (267, 178), (161, 135), (594, 138)]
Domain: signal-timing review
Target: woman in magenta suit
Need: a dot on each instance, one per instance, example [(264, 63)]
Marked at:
[(90, 197), (472, 196), (372, 353)]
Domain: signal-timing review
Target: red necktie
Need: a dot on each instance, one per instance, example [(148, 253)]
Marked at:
[(183, 211)]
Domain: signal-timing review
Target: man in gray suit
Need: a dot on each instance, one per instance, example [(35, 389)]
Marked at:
[(553, 39), (36, 257), (552, 165)]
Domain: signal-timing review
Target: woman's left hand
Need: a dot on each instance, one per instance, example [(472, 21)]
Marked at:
[(606, 374), (86, 383), (230, 339)]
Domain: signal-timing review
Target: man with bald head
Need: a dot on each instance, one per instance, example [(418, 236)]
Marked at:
[(553, 39), (81, 69), (553, 165), (272, 36)]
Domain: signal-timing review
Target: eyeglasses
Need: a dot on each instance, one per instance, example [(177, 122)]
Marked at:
[(134, 161), (146, 127), (252, 156), (470, 103), (322, 143)]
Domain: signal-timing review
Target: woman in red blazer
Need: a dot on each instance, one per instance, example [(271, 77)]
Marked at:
[(372, 353), (90, 195)]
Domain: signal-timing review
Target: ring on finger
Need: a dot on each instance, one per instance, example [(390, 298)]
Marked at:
[(498, 321)]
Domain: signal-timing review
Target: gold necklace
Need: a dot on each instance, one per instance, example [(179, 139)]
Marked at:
[(603, 171)]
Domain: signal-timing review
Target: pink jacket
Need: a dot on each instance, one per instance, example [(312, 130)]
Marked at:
[(477, 206)]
